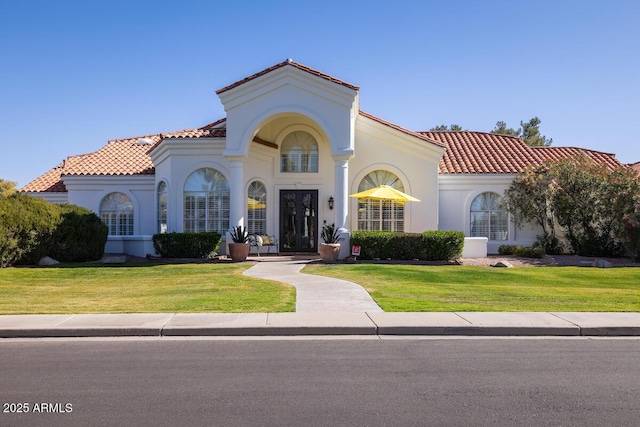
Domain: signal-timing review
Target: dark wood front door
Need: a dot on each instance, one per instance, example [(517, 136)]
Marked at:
[(298, 222)]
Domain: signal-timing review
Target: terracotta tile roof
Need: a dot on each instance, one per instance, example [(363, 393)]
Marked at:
[(466, 153), (283, 64), (50, 182), (127, 156), (420, 135), (487, 153), (558, 153)]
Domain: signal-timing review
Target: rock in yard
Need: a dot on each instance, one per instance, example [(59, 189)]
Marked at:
[(602, 263), (48, 261), (503, 264)]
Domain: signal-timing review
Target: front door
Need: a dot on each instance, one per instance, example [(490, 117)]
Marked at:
[(298, 225)]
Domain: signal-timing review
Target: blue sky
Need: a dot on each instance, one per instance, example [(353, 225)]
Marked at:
[(75, 74)]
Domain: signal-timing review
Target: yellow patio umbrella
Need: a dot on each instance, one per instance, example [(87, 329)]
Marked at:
[(384, 192), (254, 204)]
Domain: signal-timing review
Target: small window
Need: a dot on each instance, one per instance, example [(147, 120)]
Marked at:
[(299, 153), (257, 208), (488, 218), (162, 207), (116, 212)]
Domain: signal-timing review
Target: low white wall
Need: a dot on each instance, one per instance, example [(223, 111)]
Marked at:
[(130, 245), (475, 247)]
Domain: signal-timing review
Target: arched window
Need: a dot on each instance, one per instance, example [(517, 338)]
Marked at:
[(116, 212), (380, 215), (206, 202), (257, 208), (299, 153), (488, 218), (162, 207)]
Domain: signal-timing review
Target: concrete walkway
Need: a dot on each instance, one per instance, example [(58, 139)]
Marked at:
[(314, 293)]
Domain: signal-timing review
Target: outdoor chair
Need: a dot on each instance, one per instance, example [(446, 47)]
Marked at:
[(259, 240)]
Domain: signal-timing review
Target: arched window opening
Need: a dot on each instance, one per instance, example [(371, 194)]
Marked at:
[(380, 215), (257, 208), (488, 218), (299, 153), (206, 202), (162, 207), (116, 212)]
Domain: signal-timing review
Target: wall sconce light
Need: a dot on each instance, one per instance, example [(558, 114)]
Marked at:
[(330, 203)]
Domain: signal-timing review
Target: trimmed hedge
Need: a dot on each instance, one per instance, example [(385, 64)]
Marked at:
[(432, 245), (187, 245), (31, 228), (522, 251)]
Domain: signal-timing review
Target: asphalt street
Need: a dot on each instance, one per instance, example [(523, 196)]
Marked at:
[(314, 382)]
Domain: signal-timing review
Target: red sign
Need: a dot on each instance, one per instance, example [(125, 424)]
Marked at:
[(355, 250)]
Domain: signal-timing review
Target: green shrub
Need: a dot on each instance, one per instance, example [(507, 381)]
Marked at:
[(187, 245), (529, 252), (79, 237), (26, 225), (507, 249), (550, 244), (372, 243), (442, 245), (31, 228), (430, 245), (522, 251)]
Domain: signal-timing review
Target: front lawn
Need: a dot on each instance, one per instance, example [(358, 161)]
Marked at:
[(140, 288), (459, 288)]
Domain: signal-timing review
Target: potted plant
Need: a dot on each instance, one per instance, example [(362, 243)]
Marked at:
[(330, 249), (239, 249)]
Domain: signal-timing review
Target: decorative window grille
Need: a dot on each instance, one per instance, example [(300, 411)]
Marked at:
[(299, 153), (257, 208), (488, 218), (206, 202), (162, 207), (380, 215), (116, 212)]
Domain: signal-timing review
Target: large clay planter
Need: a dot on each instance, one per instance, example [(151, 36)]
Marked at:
[(239, 251), (329, 252)]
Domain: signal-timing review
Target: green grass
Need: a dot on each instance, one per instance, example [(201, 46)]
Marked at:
[(458, 288), (140, 288)]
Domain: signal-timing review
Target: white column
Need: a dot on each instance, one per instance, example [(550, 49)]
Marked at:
[(238, 202), (341, 199), (341, 192)]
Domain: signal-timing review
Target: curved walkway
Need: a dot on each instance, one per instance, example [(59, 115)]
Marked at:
[(315, 293)]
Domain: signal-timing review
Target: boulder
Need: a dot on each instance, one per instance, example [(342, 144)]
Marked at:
[(48, 261), (602, 263), (502, 264)]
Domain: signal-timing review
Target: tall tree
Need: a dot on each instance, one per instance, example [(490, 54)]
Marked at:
[(502, 129), (453, 127), (529, 132), (596, 208)]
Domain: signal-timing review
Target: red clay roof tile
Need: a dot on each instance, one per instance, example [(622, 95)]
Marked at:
[(283, 64), (487, 153)]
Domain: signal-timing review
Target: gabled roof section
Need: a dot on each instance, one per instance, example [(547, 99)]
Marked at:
[(419, 135), (487, 153), (292, 63)]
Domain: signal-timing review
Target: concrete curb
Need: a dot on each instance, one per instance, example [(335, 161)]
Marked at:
[(314, 324)]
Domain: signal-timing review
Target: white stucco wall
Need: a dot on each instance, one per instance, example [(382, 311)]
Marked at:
[(456, 193)]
